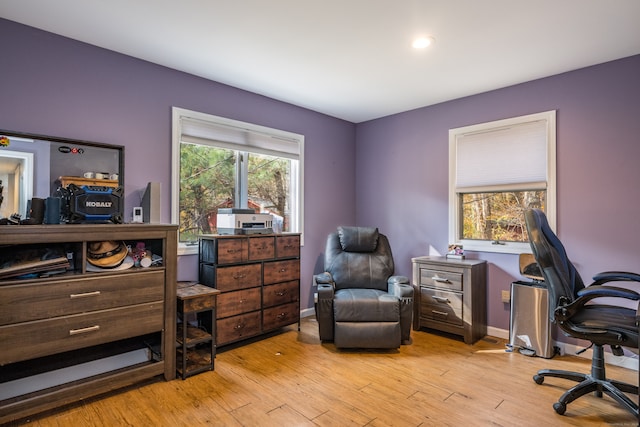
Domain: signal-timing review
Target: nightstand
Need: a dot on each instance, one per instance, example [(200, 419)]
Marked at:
[(195, 337), (450, 296)]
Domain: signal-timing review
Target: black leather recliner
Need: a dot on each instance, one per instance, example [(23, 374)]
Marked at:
[(360, 303), (573, 309)]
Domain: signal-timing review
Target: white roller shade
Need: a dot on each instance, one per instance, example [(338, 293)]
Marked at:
[(234, 137), (506, 156)]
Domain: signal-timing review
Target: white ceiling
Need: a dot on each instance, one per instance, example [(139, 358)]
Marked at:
[(351, 59)]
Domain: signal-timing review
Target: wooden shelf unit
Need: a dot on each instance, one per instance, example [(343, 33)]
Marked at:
[(65, 323)]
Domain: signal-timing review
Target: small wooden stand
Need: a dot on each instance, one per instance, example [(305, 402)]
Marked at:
[(195, 336)]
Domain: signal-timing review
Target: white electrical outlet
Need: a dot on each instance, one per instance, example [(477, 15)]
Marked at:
[(506, 296)]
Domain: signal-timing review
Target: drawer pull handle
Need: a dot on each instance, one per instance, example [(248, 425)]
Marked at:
[(84, 295), (441, 280), (440, 313), (288, 246), (283, 270), (281, 315), (281, 293), (441, 299), (232, 251), (239, 276), (84, 330), (239, 326)]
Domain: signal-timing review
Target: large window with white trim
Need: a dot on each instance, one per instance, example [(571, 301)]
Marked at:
[(224, 163), (497, 170)]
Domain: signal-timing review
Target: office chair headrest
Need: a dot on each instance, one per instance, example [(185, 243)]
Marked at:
[(358, 239)]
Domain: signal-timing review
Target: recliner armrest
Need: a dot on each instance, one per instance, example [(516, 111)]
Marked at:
[(400, 287), (323, 278)]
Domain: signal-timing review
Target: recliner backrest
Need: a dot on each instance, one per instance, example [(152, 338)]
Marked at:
[(358, 257), (561, 277)]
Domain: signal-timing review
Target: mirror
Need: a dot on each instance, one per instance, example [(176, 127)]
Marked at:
[(37, 165)]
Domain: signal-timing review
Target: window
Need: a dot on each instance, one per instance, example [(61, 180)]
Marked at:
[(496, 171), (223, 163)]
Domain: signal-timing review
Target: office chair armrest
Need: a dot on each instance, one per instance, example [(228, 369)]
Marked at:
[(612, 276), (565, 312), (597, 291)]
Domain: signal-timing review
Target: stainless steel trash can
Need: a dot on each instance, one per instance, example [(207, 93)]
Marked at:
[(529, 326)]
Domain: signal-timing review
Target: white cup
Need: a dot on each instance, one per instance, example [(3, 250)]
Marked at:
[(89, 175)]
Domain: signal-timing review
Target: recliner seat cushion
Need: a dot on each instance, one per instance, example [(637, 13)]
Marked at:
[(365, 305)]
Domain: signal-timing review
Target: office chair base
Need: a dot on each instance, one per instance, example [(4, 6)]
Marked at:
[(587, 384)]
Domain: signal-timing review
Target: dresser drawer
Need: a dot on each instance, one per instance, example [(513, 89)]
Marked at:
[(281, 271), (238, 302), (261, 248), (288, 246), (282, 315), (440, 305), (56, 335), (441, 279), (230, 251), (238, 327), (22, 303), (281, 293), (237, 277)]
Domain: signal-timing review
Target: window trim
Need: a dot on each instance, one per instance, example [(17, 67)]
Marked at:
[(454, 199), (178, 114)]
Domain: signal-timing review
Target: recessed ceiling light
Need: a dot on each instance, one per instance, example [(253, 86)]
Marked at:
[(423, 42)]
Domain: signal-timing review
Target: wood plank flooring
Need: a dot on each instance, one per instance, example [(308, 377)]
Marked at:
[(291, 379)]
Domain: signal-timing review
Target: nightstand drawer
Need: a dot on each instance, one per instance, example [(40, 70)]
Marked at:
[(43, 337), (441, 305), (441, 279), (22, 303)]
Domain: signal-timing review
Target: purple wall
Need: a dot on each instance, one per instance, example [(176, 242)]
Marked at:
[(52, 85), (57, 86), (402, 171)]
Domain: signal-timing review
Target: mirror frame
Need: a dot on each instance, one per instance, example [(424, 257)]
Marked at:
[(66, 141), (71, 141)]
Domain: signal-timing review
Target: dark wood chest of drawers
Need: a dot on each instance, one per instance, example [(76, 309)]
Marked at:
[(259, 282)]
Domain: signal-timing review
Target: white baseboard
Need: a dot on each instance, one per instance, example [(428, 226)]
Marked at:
[(629, 362), (307, 312)]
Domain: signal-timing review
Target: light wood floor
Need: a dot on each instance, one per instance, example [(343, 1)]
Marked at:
[(291, 379)]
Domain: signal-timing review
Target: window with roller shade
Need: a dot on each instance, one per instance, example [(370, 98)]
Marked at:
[(496, 171), (224, 163)]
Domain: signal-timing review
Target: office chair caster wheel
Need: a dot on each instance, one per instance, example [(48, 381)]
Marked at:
[(539, 379), (560, 408)]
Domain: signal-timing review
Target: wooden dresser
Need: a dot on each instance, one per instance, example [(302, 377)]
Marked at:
[(81, 333), (450, 296), (258, 277)]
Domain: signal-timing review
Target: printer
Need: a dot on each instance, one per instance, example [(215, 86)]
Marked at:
[(243, 221)]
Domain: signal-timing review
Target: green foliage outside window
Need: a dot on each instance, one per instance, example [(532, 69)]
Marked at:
[(208, 182), (499, 216)]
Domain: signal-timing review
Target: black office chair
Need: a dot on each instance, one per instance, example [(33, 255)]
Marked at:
[(572, 309)]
